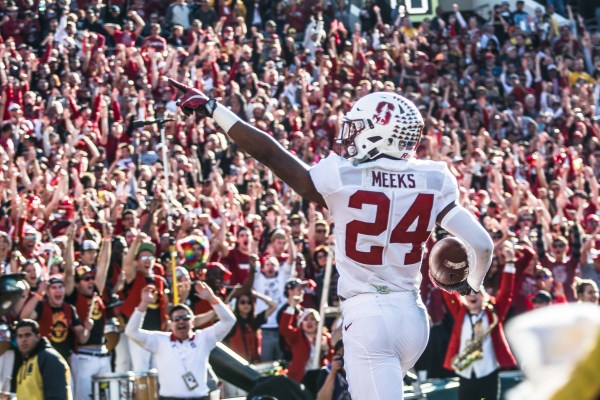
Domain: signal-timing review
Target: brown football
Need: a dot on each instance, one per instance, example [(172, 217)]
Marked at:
[(448, 261)]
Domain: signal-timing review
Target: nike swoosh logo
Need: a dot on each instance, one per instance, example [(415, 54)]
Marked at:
[(348, 326), (358, 109)]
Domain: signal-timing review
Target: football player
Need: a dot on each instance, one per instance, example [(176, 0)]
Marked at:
[(384, 204)]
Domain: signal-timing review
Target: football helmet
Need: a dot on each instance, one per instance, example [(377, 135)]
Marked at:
[(381, 123)]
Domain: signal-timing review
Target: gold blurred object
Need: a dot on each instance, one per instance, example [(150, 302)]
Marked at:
[(473, 350), (145, 386), (112, 333)]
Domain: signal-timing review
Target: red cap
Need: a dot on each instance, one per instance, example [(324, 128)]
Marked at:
[(226, 273)]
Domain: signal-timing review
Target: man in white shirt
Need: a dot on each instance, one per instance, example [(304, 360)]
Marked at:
[(181, 355)]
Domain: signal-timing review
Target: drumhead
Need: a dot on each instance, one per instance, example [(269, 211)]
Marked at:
[(126, 376), (151, 373)]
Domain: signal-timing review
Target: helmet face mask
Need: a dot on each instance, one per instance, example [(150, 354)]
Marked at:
[(380, 124), (350, 129)]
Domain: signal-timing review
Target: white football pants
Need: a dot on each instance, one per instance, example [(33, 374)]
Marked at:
[(384, 336)]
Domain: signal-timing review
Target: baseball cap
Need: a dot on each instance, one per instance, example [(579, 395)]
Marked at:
[(146, 247), (212, 265), (306, 313), (295, 217), (294, 283), (14, 107), (89, 245), (56, 279), (82, 271), (542, 296)]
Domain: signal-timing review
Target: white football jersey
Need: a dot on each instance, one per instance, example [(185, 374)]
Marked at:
[(383, 213)]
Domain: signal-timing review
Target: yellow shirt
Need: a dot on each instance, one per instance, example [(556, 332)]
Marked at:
[(45, 375)]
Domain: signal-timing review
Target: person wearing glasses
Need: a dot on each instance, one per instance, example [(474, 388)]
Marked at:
[(563, 262), (182, 354), (139, 272), (545, 283), (244, 338)]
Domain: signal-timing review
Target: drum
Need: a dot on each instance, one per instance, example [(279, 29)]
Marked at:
[(113, 386), (146, 385), (112, 333)]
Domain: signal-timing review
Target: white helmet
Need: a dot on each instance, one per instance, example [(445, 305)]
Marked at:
[(381, 123)]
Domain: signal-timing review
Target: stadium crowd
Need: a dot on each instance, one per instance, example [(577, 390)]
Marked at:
[(88, 211)]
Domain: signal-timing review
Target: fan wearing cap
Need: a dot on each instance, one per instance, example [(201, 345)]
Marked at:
[(139, 273), (29, 244), (301, 336), (84, 286), (58, 320), (294, 291)]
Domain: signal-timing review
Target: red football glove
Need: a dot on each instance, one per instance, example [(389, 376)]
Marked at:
[(194, 100)]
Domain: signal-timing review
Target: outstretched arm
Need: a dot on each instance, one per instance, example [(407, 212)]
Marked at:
[(257, 143)]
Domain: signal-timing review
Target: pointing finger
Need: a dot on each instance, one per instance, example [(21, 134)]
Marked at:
[(178, 85)]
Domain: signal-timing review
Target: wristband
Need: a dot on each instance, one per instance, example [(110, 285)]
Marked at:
[(224, 116), (214, 302), (38, 296), (509, 267)]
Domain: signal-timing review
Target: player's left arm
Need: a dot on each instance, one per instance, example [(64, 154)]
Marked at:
[(461, 223)]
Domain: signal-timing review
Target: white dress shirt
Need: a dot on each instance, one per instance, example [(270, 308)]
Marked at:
[(175, 359)]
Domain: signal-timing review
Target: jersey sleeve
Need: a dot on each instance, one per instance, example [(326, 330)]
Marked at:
[(449, 192), (325, 175)]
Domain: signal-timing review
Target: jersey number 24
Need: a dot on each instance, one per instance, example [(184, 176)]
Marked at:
[(420, 210)]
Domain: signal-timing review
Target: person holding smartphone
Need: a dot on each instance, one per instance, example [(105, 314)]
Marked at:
[(331, 382)]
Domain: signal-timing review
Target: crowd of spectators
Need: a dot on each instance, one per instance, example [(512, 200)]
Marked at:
[(511, 103)]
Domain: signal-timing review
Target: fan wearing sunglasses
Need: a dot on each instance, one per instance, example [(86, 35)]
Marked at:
[(182, 354), (84, 285), (563, 261), (244, 338)]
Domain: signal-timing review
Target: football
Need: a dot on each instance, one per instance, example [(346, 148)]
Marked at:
[(448, 261)]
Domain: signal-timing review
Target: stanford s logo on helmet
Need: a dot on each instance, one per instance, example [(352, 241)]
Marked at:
[(383, 113), (381, 124)]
